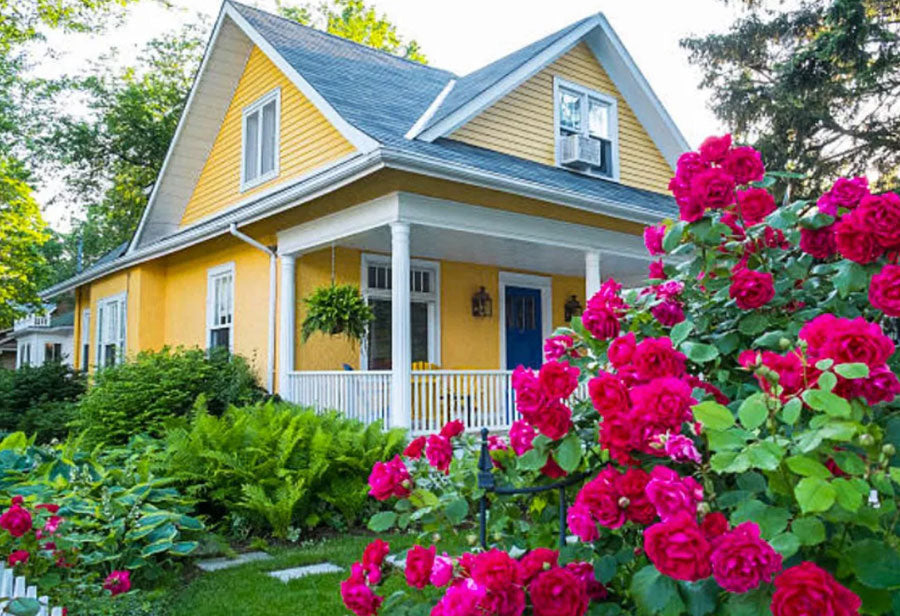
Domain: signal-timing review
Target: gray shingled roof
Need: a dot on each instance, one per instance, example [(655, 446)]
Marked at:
[(383, 96)]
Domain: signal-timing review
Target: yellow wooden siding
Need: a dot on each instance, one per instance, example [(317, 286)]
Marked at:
[(521, 123), (307, 140)]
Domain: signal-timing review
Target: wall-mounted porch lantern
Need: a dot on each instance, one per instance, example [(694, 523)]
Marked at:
[(572, 308), (482, 304)]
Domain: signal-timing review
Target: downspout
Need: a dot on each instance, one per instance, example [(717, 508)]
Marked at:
[(270, 355)]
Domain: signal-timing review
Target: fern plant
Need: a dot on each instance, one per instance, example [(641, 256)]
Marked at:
[(337, 310)]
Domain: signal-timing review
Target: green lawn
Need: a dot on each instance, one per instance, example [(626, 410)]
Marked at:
[(248, 591)]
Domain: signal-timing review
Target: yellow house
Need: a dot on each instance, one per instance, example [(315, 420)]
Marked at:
[(302, 159)]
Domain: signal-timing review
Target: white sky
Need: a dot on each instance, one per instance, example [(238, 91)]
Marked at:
[(462, 36)]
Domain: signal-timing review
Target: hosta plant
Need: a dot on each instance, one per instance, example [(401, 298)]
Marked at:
[(738, 437)]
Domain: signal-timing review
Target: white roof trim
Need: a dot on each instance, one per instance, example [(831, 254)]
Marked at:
[(361, 141), (429, 113), (508, 83)]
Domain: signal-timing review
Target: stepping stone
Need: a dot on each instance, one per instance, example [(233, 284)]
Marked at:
[(215, 564), (286, 575)]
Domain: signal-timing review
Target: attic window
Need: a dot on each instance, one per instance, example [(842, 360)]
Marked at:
[(259, 149), (586, 130)]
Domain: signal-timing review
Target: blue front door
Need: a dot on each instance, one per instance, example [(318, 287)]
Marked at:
[(523, 327)]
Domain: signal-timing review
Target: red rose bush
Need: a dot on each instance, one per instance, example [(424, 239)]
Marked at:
[(725, 435)]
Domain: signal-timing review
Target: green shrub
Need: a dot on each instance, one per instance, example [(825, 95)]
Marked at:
[(277, 467), (116, 514), (147, 392), (39, 400)]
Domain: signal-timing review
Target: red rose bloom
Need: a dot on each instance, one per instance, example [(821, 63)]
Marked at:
[(856, 340), (741, 560), (632, 485), (847, 192), (389, 479), (581, 523), (673, 495), (554, 420), (118, 582), (419, 562), (495, 570), (653, 237), (552, 470), (452, 429), (507, 602), (521, 434), (669, 313), (818, 242), (48, 507), (881, 215), (881, 386), (755, 204), (666, 401), (415, 448), (621, 349), (19, 556), (537, 560), (751, 289), (558, 592), (585, 574), (439, 452), (745, 165), (16, 520), (609, 394), (855, 241), (656, 270), (713, 188), (558, 346), (375, 552), (714, 149), (713, 525), (655, 357), (558, 379), (603, 323), (601, 498), (617, 435), (808, 589), (884, 290), (357, 597), (678, 548)]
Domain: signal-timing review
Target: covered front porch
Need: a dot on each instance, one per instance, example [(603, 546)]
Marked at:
[(430, 357)]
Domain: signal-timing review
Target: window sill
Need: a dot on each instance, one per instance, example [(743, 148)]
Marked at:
[(245, 186)]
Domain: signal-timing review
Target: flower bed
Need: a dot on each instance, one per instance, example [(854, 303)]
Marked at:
[(740, 433)]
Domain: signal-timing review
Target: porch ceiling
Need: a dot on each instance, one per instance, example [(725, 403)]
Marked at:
[(428, 242)]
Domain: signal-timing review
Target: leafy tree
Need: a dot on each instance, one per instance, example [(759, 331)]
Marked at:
[(356, 21), (815, 86)]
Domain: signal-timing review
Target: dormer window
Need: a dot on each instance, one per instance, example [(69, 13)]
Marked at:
[(260, 140), (586, 130)]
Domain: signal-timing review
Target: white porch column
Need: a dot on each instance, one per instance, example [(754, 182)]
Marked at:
[(591, 273), (287, 328), (401, 335)]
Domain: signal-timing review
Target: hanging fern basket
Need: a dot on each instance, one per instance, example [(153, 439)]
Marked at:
[(337, 310)]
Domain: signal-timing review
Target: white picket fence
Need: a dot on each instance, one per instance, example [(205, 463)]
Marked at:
[(15, 587), (479, 398)]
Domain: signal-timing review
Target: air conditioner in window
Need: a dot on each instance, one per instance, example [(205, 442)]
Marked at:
[(580, 152)]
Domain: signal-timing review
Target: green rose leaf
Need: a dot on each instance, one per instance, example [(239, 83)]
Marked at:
[(713, 415), (673, 236), (764, 455), (814, 494), (827, 381), (700, 597), (655, 593), (532, 460), (753, 411), (807, 467), (753, 324), (849, 462), (457, 510), (827, 402), (698, 352), (875, 563), (605, 568), (847, 495), (785, 544), (23, 607), (810, 531), (849, 276), (380, 522), (852, 371), (568, 454), (680, 332), (771, 520), (753, 603), (790, 413)]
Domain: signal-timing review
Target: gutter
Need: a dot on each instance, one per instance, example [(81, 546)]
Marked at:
[(345, 173), (273, 255)]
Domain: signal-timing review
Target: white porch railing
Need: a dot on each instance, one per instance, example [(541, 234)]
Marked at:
[(479, 398), (32, 320), (15, 587), (364, 395)]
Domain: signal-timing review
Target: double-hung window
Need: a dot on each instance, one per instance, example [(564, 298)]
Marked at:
[(593, 116), (85, 338), (111, 320), (25, 354), (52, 352), (220, 307), (423, 285), (261, 123)]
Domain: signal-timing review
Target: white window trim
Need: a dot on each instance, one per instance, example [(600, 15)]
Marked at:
[(544, 284), (433, 300), (252, 108), (559, 82), (84, 336), (211, 275), (120, 351)]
